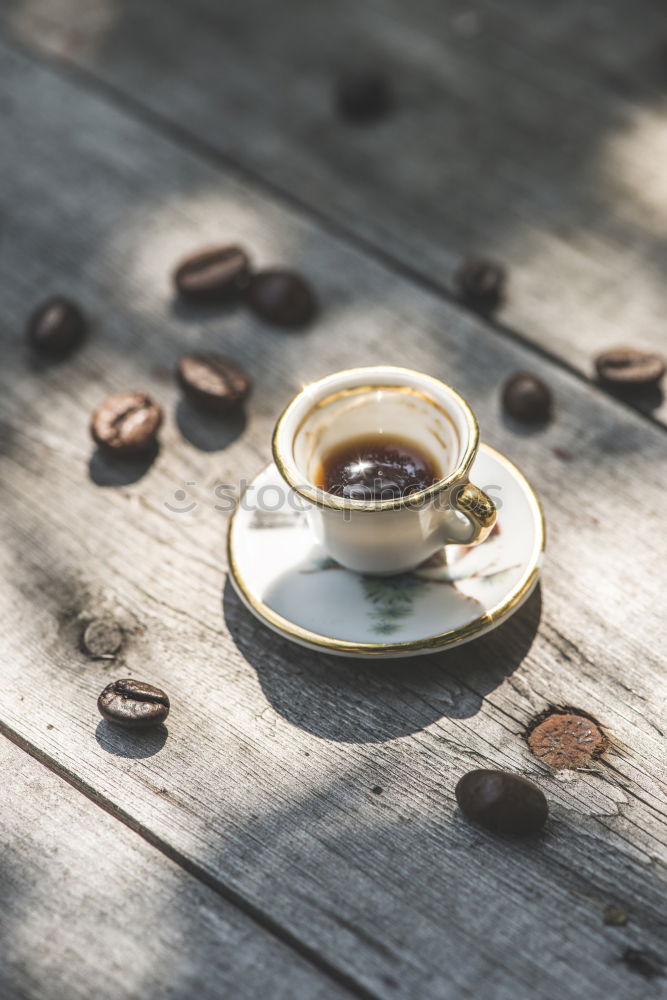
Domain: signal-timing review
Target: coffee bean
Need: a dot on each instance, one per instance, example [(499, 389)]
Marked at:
[(566, 740), (126, 423), (102, 639), (56, 326), (214, 274), (527, 398), (627, 366), (502, 802), (213, 382), (282, 298), (133, 704), (481, 283), (363, 96)]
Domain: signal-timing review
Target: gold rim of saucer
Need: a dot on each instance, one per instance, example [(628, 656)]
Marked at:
[(439, 641), (323, 499)]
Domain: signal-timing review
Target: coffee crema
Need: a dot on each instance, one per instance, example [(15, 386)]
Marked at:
[(374, 467)]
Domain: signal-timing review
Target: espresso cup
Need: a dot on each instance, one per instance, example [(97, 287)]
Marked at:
[(388, 535)]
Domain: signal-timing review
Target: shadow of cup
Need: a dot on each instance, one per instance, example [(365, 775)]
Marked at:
[(369, 701)]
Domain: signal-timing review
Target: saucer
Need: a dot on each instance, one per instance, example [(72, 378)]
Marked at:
[(286, 579)]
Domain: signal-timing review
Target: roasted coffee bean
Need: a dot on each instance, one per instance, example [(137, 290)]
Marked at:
[(56, 326), (363, 96), (481, 283), (213, 382), (126, 423), (502, 802), (214, 274), (282, 298), (133, 704), (627, 366), (527, 398)]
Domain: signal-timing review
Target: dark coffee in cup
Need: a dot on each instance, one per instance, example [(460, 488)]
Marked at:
[(374, 467)]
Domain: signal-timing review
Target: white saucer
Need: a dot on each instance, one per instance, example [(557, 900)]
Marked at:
[(286, 579)]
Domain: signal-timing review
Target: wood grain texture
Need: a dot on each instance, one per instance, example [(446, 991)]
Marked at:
[(264, 782), (87, 908), (530, 135)]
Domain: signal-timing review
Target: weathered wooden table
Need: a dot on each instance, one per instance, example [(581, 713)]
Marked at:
[(246, 855)]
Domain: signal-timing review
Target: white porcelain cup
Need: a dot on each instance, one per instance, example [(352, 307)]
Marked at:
[(390, 535)]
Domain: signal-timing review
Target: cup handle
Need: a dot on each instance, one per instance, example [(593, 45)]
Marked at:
[(480, 510)]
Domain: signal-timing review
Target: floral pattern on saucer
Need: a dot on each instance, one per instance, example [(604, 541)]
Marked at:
[(286, 579), (390, 599)]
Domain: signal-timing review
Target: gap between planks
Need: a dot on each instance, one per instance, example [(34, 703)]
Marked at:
[(198, 872)]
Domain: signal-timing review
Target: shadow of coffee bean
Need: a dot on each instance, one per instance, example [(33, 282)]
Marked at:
[(106, 469), (197, 312), (131, 744), (209, 431), (642, 397), (40, 364)]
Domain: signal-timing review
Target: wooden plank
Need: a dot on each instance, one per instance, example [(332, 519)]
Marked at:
[(87, 908), (264, 784), (533, 136)]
